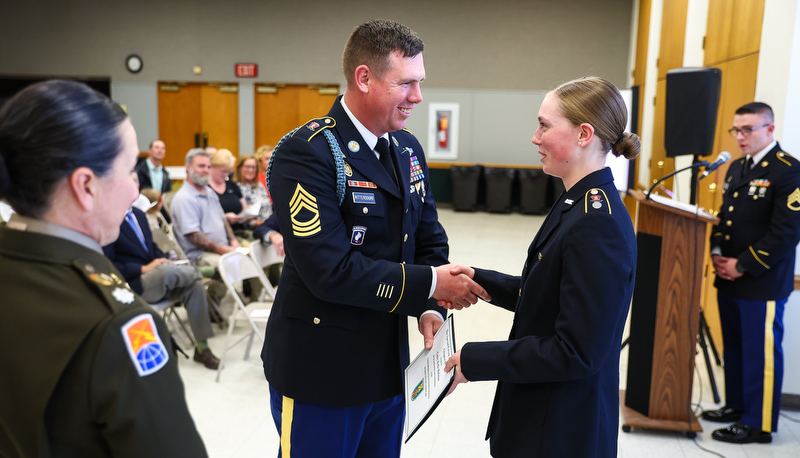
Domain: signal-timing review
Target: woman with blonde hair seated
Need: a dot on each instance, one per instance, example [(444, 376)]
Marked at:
[(230, 197)]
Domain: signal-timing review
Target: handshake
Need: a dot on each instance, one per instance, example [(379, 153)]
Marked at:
[(455, 288)]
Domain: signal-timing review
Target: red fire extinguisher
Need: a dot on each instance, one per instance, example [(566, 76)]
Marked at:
[(442, 134)]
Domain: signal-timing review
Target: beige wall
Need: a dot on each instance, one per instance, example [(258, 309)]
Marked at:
[(472, 44)]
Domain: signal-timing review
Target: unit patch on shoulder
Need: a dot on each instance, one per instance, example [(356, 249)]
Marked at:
[(313, 127), (144, 345), (304, 213)]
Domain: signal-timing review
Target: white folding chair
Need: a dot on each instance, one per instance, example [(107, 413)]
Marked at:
[(234, 267), (265, 256), (170, 315)]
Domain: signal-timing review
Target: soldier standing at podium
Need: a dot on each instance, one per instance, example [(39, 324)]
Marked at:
[(753, 251)]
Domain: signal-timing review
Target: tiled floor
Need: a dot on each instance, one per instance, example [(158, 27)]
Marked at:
[(233, 415)]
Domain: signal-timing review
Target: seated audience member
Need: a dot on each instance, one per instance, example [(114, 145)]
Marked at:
[(254, 193), (199, 223), (228, 193), (151, 275), (263, 155)]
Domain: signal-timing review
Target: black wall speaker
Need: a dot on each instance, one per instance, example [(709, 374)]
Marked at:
[(692, 104)]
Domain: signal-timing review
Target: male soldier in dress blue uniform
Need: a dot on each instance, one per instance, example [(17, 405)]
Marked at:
[(361, 235), (753, 250)]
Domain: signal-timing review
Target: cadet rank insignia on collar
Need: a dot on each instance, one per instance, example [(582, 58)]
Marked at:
[(395, 142), (144, 345), (793, 202), (304, 213)]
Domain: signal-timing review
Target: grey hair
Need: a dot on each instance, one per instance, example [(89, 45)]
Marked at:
[(194, 152)]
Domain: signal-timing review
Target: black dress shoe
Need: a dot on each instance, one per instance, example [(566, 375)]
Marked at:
[(738, 433), (207, 358), (723, 415)]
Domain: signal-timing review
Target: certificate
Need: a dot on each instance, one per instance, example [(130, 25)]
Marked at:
[(426, 382)]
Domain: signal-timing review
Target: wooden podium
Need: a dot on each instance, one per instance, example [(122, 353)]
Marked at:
[(671, 243)]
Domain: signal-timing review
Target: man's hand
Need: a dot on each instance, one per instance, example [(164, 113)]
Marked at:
[(429, 324), (153, 264), (276, 239), (455, 288), (725, 267), (455, 362), (222, 249)]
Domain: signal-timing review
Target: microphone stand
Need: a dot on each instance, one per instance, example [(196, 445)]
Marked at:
[(661, 180)]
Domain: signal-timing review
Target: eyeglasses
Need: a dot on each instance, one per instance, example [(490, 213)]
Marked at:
[(250, 167), (746, 131)]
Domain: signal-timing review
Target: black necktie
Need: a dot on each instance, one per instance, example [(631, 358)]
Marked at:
[(385, 157), (747, 166)]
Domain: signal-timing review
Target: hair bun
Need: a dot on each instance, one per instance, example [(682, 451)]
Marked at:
[(628, 146)]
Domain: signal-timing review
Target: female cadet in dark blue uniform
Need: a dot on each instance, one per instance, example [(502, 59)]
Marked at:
[(559, 370), (89, 369)]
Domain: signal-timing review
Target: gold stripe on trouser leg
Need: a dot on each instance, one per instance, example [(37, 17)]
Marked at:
[(287, 415), (769, 368)]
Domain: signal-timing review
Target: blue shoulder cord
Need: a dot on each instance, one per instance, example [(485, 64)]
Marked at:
[(338, 159)]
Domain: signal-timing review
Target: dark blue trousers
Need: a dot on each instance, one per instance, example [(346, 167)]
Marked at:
[(752, 332), (313, 431)]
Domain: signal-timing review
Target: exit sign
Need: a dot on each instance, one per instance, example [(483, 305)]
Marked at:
[(246, 70)]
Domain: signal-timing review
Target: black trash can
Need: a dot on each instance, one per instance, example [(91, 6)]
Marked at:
[(499, 181), (464, 180), (556, 188), (534, 187)]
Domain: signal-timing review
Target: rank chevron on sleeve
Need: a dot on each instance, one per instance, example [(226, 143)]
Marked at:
[(304, 213)]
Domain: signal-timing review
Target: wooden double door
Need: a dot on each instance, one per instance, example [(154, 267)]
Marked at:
[(200, 114), (194, 115)]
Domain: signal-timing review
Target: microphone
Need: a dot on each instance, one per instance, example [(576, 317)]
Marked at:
[(721, 159), (693, 166)]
